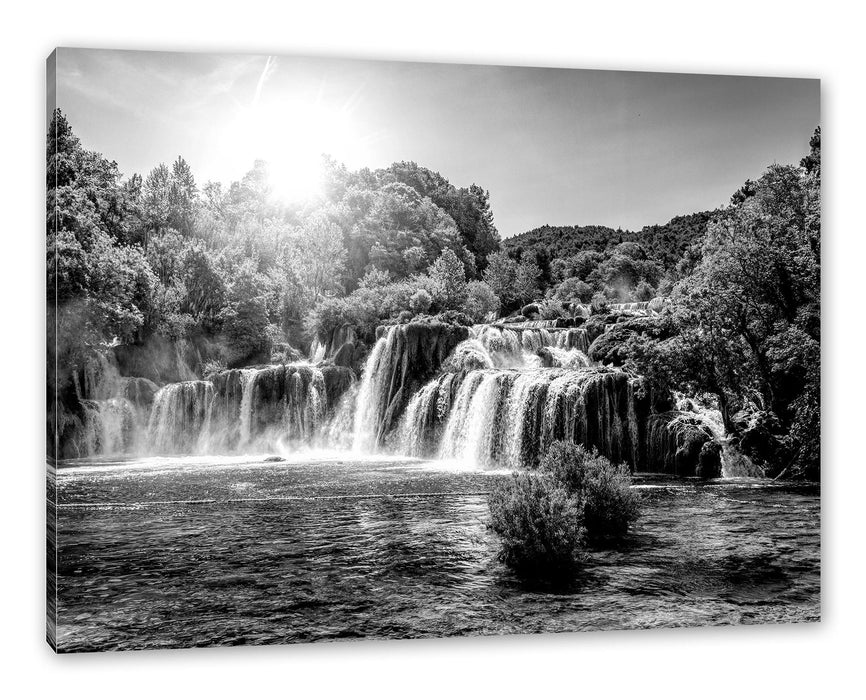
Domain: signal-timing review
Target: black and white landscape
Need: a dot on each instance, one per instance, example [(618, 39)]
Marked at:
[(321, 366)]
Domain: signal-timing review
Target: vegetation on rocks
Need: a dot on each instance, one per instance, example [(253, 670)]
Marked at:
[(214, 275)]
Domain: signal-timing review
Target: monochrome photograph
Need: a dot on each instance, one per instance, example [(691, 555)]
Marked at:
[(363, 349)]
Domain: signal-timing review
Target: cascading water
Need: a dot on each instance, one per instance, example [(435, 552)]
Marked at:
[(180, 412), (368, 406), (248, 385), (114, 408), (510, 417), (246, 409), (493, 395), (403, 360), (734, 463), (519, 347)]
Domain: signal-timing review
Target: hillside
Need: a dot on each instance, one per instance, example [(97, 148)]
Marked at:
[(666, 243)]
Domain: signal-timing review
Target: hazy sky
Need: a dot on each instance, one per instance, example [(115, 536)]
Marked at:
[(553, 146)]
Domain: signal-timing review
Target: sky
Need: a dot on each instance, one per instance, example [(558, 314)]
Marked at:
[(553, 146)]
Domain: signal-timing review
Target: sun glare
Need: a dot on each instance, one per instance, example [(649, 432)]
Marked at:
[(293, 138)]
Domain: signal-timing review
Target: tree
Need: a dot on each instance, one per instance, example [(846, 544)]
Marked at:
[(500, 275), (573, 289), (469, 208), (747, 316), (420, 302), (246, 317), (156, 201), (182, 197), (526, 279), (317, 257), (481, 302), (449, 281)]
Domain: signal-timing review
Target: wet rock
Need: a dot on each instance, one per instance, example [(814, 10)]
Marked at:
[(344, 357), (413, 355), (140, 391), (608, 348), (547, 359), (530, 311), (337, 380), (762, 439), (674, 442), (710, 460), (274, 458)]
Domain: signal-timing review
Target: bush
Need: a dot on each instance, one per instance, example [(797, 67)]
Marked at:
[(544, 518), (573, 289), (284, 354), (213, 366), (608, 505), (551, 309), (332, 313), (539, 523), (644, 291), (457, 318), (530, 311), (481, 302), (420, 302), (599, 304)]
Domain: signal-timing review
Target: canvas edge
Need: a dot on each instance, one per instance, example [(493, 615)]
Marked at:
[(50, 471)]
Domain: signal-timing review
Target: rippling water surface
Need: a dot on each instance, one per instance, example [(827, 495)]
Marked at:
[(207, 551)]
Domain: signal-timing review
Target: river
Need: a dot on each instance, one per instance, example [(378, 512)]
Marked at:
[(203, 551)]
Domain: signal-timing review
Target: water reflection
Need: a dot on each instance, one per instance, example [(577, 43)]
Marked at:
[(339, 549)]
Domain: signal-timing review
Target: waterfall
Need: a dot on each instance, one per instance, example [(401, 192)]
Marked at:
[(734, 462), (509, 417), (539, 323), (509, 347), (248, 385), (269, 407), (114, 408), (109, 426), (180, 412), (631, 306), (250, 409), (403, 360), (368, 406), (495, 395)]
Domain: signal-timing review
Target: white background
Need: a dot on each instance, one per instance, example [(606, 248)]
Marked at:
[(822, 40)]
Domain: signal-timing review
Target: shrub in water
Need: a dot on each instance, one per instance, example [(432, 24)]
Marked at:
[(540, 524), (576, 497), (608, 505)]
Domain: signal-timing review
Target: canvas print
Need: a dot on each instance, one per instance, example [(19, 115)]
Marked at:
[(349, 349)]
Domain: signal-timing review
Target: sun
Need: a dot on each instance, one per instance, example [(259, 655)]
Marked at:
[(293, 138)]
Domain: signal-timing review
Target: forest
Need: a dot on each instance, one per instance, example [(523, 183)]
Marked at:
[(246, 278)]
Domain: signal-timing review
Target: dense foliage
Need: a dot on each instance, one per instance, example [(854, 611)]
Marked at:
[(539, 525), (130, 258), (746, 320), (574, 262), (546, 518), (607, 504), (245, 277)]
